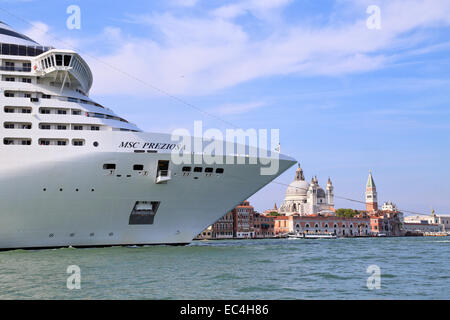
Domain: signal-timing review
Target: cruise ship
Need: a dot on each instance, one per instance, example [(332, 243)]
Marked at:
[(73, 173)]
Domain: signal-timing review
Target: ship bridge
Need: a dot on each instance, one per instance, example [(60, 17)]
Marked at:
[(64, 68)]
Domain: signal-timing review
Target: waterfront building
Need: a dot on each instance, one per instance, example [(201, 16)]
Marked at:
[(303, 198), (428, 222), (392, 207), (386, 223), (243, 216), (223, 228), (444, 221), (423, 219), (263, 226), (413, 227), (283, 225), (340, 226), (243, 222), (315, 224)]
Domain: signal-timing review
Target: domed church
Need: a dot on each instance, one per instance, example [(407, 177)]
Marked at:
[(305, 198)]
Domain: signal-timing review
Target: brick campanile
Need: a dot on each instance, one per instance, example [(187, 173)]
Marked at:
[(371, 195)]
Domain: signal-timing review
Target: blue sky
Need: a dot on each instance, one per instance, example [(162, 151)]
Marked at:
[(345, 98)]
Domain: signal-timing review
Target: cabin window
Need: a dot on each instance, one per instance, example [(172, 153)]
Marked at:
[(62, 127), (9, 110), (76, 112), (78, 142), (62, 111), (45, 127), (219, 170), (138, 167), (19, 125), (46, 96), (61, 142), (67, 60), (9, 94), (10, 79), (8, 141), (198, 169), (26, 80), (209, 170), (109, 166), (95, 128), (59, 60), (44, 111), (186, 169), (78, 128)]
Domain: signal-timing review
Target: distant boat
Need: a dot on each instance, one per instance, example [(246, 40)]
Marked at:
[(381, 235), (435, 234), (312, 236)]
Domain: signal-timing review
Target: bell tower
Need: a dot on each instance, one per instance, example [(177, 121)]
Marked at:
[(329, 193), (371, 195)]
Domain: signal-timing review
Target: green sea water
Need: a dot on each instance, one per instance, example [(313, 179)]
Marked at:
[(410, 268)]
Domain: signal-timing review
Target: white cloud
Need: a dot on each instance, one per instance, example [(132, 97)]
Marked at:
[(184, 3), (197, 56), (262, 9), (239, 108), (41, 33)]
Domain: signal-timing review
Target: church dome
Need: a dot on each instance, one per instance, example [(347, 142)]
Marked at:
[(298, 189)]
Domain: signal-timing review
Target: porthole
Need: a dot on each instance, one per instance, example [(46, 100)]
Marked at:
[(95, 144), (92, 190), (72, 235), (111, 234), (51, 235), (60, 190), (44, 189), (219, 170), (92, 234)]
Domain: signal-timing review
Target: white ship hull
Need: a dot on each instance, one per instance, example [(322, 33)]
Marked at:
[(85, 205)]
